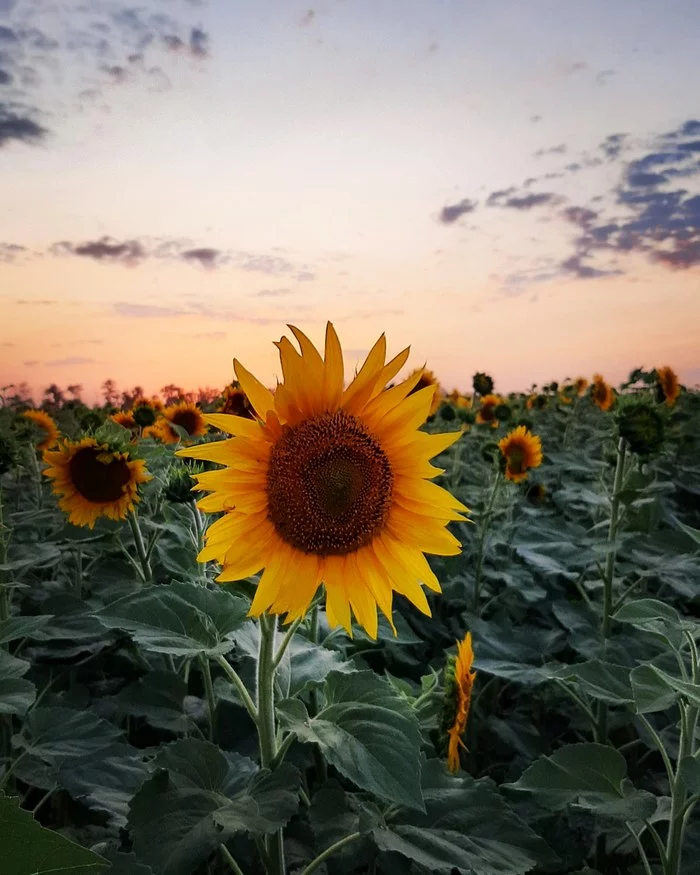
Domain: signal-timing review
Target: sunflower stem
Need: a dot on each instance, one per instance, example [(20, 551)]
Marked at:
[(4, 592), (79, 571), (336, 846), (286, 641), (235, 679), (146, 572), (266, 724), (209, 692), (483, 529)]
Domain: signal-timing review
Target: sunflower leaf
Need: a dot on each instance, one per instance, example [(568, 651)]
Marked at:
[(182, 619), (367, 731), (29, 849)]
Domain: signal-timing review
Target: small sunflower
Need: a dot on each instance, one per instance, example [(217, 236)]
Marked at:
[(186, 415), (521, 450), (667, 386), (94, 480), (329, 485), (459, 682), (125, 419), (235, 401), (601, 393), (482, 383), (536, 401), (486, 414), (48, 428), (145, 411), (580, 384), (425, 379)]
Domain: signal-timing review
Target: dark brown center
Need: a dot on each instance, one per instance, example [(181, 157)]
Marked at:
[(96, 480), (516, 459), (487, 413), (423, 383), (329, 485), (187, 419)]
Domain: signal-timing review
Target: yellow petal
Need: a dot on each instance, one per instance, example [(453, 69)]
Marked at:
[(333, 372), (360, 389), (260, 398), (231, 424)]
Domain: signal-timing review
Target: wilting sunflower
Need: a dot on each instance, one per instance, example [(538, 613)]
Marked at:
[(235, 401), (486, 414), (601, 393), (125, 419), (329, 485), (94, 480), (459, 682), (186, 415), (48, 428), (521, 450), (580, 384), (425, 379), (482, 383), (667, 387)]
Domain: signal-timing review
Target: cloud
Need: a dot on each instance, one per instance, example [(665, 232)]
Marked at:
[(307, 18), (210, 335), (31, 363), (604, 76), (495, 198), (197, 45), (10, 251), (44, 303), (71, 360), (206, 257), (552, 150), (272, 293), (5, 77), (613, 145), (148, 311), (535, 118), (17, 125), (528, 201), (128, 252), (450, 213)]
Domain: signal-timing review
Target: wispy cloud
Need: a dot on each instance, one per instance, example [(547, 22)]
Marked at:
[(452, 212), (71, 360)]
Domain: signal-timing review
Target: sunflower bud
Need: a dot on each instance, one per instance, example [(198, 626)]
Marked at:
[(483, 384), (642, 427), (458, 684), (447, 412), (144, 415), (180, 483)]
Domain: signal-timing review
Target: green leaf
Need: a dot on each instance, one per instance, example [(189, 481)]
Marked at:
[(367, 731), (467, 826), (656, 690), (601, 680), (182, 619), (517, 671), (652, 616), (53, 734), (21, 627), (29, 849), (690, 772), (593, 776), (158, 697), (17, 695), (199, 798)]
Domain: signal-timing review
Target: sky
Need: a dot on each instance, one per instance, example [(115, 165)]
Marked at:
[(510, 187)]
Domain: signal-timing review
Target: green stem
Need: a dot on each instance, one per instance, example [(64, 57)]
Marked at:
[(286, 641), (235, 679), (640, 848), (609, 577), (266, 724), (79, 571), (232, 864), (483, 528), (4, 593), (336, 846), (677, 823), (146, 572), (209, 691), (314, 703)]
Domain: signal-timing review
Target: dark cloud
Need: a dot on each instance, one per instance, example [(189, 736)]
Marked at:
[(106, 249), (209, 258), (450, 213), (613, 145), (535, 118), (17, 126), (580, 216), (528, 201), (552, 150), (5, 77), (574, 265), (640, 179), (197, 44), (495, 198), (9, 251), (7, 35)]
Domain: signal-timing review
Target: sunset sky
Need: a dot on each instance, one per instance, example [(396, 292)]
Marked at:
[(511, 187)]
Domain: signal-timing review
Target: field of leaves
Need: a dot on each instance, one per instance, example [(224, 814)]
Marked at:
[(128, 677)]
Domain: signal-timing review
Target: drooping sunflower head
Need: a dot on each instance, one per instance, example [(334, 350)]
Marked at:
[(459, 683), (536, 494), (185, 415), (642, 426), (45, 429), (483, 384), (427, 379), (521, 451), (145, 411), (580, 384), (486, 414), (601, 393), (537, 401), (125, 418), (667, 386), (93, 479), (329, 485), (235, 401)]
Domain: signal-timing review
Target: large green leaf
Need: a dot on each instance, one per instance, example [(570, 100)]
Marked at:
[(653, 616), (16, 693), (54, 734), (198, 798), (601, 680), (29, 849), (467, 826), (656, 690), (367, 731), (593, 776), (182, 619), (158, 697), (21, 627)]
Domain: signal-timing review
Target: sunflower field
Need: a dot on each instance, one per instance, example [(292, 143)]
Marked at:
[(352, 624)]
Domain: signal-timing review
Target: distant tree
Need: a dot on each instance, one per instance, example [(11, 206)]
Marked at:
[(207, 395), (130, 395), (53, 395), (75, 390), (172, 393), (110, 393)]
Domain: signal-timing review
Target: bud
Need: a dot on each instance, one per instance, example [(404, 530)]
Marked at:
[(180, 483), (447, 412), (483, 384)]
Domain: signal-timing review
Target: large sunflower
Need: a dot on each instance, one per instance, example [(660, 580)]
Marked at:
[(329, 485), (425, 379), (458, 695), (94, 480), (486, 414), (521, 450), (668, 387), (601, 393), (186, 415), (48, 428)]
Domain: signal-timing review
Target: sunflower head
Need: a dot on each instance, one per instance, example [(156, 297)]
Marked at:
[(642, 426), (94, 479), (145, 412), (536, 494), (667, 386), (329, 485), (235, 401), (426, 379), (503, 412), (447, 412), (521, 451), (486, 414), (125, 419), (180, 483), (459, 683), (537, 401), (580, 385), (186, 416), (602, 394), (44, 428), (482, 383)]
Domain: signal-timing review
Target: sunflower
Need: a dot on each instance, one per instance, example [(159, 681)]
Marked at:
[(145, 411), (235, 401), (536, 402), (48, 428), (601, 393), (426, 378), (186, 415), (458, 695), (486, 414), (667, 386), (521, 450), (482, 383), (94, 480), (329, 485), (580, 384), (125, 419)]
